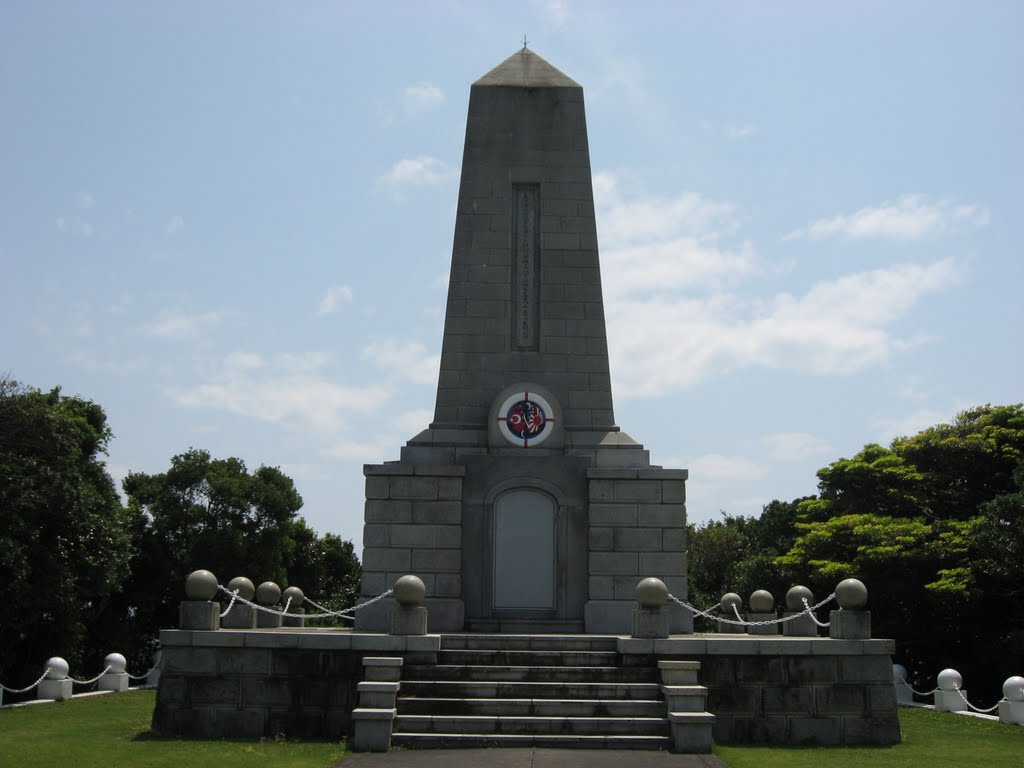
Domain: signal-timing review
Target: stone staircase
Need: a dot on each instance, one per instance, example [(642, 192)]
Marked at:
[(546, 691)]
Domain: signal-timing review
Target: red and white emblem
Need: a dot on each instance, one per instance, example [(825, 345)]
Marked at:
[(526, 419)]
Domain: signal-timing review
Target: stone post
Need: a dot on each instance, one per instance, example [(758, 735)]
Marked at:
[(651, 618), (56, 686), (153, 676), (1011, 711), (409, 617), (950, 696), (115, 678), (293, 598), (268, 594), (199, 611), (241, 616), (850, 622), (728, 608), (802, 626), (901, 679), (762, 608)]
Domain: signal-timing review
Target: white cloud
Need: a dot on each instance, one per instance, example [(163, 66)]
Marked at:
[(332, 298), (911, 217), (557, 11), (417, 172), (740, 130), (414, 422), (174, 225), (716, 467), (652, 243), (793, 446), (408, 358), (285, 392), (663, 344), (909, 424), (179, 325), (422, 96)]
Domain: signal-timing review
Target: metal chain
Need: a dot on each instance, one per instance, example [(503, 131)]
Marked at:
[(28, 688), (91, 679), (978, 709), (706, 615), (810, 612), (143, 676), (303, 615), (906, 682), (234, 596)]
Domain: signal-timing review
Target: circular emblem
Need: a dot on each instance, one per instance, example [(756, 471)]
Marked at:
[(526, 419)]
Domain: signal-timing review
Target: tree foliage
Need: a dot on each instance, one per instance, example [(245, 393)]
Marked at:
[(933, 524), (86, 575), (64, 543)]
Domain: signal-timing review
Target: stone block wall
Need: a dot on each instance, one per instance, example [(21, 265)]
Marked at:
[(238, 684), (413, 524), (637, 528), (800, 692)]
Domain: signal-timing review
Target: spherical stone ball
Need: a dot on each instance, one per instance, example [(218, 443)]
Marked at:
[(851, 594), (116, 662), (200, 585), (729, 601), (899, 673), (796, 596), (651, 593), (245, 588), (409, 590), (58, 668), (762, 601), (268, 593), (295, 595), (1013, 688), (950, 680)]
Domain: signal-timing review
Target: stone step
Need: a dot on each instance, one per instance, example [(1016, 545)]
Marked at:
[(520, 725), (408, 705), (507, 673), (477, 741), (452, 689), (505, 642), (685, 698), (531, 658)]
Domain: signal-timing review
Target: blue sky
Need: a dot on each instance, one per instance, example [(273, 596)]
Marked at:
[(230, 223)]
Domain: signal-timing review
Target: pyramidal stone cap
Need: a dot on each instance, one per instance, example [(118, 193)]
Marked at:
[(525, 69)]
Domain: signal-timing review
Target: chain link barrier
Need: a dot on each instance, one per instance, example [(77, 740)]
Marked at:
[(91, 680), (226, 611), (808, 609), (810, 612), (27, 688), (993, 708), (913, 690), (324, 615), (143, 676)]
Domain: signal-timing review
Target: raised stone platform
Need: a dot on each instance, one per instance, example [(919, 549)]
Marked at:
[(302, 683)]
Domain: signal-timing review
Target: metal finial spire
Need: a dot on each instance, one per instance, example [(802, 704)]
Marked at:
[(525, 41)]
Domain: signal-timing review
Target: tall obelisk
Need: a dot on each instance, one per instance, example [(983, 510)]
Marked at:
[(522, 506)]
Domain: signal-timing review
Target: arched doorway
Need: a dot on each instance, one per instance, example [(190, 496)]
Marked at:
[(525, 551)]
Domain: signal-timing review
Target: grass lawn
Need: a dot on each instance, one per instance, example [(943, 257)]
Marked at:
[(930, 740), (112, 731)]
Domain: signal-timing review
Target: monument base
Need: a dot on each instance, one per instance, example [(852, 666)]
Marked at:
[(615, 617)]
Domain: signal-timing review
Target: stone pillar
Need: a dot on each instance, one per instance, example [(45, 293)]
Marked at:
[(115, 678), (762, 605), (901, 681), (199, 611), (268, 594), (651, 618), (241, 616), (728, 608), (1011, 711), (950, 697), (802, 626), (850, 622), (56, 686), (409, 617), (293, 598)]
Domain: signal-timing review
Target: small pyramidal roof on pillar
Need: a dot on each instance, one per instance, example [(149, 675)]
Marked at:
[(525, 69)]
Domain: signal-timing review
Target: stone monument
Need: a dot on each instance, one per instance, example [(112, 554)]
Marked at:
[(522, 506)]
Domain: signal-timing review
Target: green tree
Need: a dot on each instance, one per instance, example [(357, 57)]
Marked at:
[(64, 540)]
